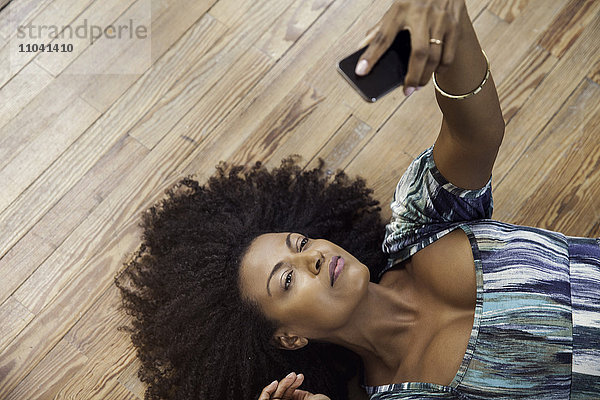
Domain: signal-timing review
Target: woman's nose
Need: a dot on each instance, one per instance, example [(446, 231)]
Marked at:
[(314, 261)]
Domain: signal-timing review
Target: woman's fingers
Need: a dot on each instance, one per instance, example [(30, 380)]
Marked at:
[(436, 43), (433, 26), (289, 392), (287, 389), (451, 37), (287, 386), (268, 391), (369, 36), (419, 54), (379, 41)]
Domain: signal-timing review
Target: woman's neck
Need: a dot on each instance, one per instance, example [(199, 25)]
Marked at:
[(382, 328)]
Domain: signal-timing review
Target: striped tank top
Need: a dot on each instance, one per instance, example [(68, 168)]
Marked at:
[(536, 330)]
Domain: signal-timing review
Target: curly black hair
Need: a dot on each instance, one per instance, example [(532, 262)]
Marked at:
[(195, 335)]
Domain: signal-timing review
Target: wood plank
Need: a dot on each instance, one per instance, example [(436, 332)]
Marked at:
[(14, 316), (20, 90), (52, 229), (594, 73), (475, 7), (523, 80), (129, 379), (107, 130), (29, 163), (98, 380), (96, 334), (595, 231), (569, 25), (343, 145), (508, 43), (45, 381), (101, 14), (6, 71), (19, 13), (411, 129), (166, 30), (18, 263), (201, 80), (287, 29), (46, 330), (229, 12), (3, 4), (283, 131), (508, 10), (560, 172), (22, 129), (57, 13), (49, 279), (547, 99), (272, 88), (75, 80)]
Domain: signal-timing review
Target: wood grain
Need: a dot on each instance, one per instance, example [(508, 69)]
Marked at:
[(595, 72), (557, 172), (57, 224), (51, 13), (21, 90), (168, 25), (523, 80), (14, 316), (42, 151), (547, 99), (50, 376), (205, 74), (101, 14), (508, 10), (19, 13), (84, 153), (569, 25), (270, 90)]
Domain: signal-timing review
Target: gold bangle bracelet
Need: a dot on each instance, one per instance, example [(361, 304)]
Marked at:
[(466, 95)]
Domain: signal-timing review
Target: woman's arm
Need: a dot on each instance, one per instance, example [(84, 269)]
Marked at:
[(472, 128)]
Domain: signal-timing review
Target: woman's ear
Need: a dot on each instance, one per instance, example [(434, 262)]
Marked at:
[(286, 341)]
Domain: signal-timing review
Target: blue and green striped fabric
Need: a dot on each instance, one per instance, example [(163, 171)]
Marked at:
[(536, 331)]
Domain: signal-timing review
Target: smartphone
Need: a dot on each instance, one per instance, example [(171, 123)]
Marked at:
[(386, 75)]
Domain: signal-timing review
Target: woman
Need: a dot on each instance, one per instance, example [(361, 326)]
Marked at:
[(260, 273)]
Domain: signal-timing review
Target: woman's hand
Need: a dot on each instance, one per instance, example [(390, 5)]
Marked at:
[(287, 389), (434, 30)]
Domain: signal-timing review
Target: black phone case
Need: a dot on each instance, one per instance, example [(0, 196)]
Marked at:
[(387, 74)]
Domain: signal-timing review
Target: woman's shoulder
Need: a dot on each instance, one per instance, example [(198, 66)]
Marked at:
[(426, 206)]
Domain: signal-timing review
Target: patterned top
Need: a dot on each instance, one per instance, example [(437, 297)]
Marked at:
[(522, 340)]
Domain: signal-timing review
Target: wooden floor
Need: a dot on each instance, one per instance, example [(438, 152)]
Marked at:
[(81, 156)]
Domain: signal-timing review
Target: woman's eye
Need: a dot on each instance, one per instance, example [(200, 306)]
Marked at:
[(288, 280), (303, 242)]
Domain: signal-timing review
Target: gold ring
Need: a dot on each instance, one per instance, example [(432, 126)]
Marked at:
[(435, 41)]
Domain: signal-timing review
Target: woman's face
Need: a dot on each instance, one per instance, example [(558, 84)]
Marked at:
[(311, 287)]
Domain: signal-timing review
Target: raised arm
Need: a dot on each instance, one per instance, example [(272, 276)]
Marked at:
[(443, 40)]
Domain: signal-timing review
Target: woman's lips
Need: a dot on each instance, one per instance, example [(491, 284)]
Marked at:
[(336, 265)]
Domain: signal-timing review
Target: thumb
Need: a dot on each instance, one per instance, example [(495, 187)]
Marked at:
[(379, 44)]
